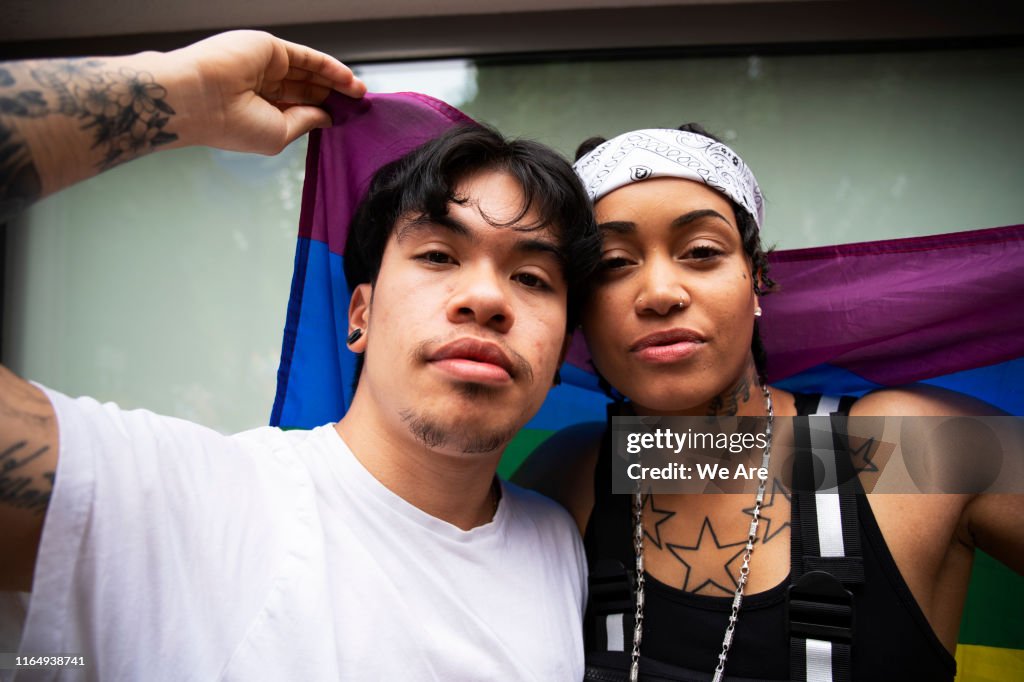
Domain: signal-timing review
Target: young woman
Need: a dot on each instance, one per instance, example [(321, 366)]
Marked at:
[(671, 324)]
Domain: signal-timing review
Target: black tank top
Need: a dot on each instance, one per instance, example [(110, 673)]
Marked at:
[(892, 639)]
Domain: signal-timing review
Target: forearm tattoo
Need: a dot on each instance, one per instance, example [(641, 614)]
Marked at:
[(19, 489), (124, 110)]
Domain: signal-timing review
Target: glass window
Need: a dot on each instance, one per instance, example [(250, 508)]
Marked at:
[(164, 283)]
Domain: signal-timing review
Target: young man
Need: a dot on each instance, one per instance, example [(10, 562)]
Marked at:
[(381, 547)]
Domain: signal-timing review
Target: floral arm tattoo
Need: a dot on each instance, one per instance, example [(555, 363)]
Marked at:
[(20, 490), (123, 110)]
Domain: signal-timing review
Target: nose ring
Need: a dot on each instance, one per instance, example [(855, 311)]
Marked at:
[(680, 305)]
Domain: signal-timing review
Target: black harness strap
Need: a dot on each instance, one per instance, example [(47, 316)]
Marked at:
[(826, 562)]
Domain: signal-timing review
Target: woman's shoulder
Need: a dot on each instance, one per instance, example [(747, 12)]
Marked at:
[(562, 468), (920, 400), (915, 400)]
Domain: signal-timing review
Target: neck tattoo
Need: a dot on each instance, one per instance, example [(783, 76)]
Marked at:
[(638, 549)]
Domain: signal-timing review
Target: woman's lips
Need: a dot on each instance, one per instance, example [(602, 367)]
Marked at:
[(671, 353), (672, 345)]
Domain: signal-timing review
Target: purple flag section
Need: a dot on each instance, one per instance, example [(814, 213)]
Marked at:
[(367, 134), (901, 310)]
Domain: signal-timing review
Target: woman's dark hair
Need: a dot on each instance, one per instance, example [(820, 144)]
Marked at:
[(423, 183), (749, 235)]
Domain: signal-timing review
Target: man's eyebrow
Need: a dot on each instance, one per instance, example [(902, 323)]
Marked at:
[(425, 222), (539, 246), (457, 227)]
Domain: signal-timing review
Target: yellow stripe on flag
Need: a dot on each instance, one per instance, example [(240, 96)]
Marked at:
[(988, 664)]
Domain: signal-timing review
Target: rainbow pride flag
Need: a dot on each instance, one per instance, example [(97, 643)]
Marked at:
[(946, 310)]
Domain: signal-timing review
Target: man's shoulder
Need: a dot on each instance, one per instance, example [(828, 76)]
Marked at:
[(537, 508), (289, 439), (277, 436), (549, 531)]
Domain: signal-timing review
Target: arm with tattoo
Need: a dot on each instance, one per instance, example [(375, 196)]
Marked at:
[(109, 114), (62, 121), (28, 462)]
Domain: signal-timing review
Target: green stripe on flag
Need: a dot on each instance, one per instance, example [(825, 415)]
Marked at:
[(520, 447), (995, 602)]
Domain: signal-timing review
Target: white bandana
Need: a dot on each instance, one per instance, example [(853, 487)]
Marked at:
[(663, 153)]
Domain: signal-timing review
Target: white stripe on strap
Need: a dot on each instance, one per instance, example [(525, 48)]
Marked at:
[(826, 500), (830, 525), (819, 661), (613, 625), (827, 404)]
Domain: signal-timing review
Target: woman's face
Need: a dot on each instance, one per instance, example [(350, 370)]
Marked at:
[(670, 320)]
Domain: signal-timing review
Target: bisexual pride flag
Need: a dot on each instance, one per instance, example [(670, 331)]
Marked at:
[(946, 310), (314, 380)]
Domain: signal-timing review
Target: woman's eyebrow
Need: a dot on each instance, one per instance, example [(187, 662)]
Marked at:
[(627, 227), (699, 214), (618, 227)]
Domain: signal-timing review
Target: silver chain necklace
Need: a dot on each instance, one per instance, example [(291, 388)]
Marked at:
[(737, 600)]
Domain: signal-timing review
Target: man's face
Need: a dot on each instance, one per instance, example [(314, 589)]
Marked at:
[(465, 325)]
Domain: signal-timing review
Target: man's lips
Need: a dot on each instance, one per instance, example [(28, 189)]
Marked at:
[(475, 360), (670, 345)]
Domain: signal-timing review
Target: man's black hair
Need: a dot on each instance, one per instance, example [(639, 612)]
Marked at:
[(423, 183), (749, 235)]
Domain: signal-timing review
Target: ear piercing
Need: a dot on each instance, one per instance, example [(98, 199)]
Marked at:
[(757, 312), (354, 336)]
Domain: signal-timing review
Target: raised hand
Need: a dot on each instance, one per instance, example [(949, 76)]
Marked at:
[(258, 93)]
